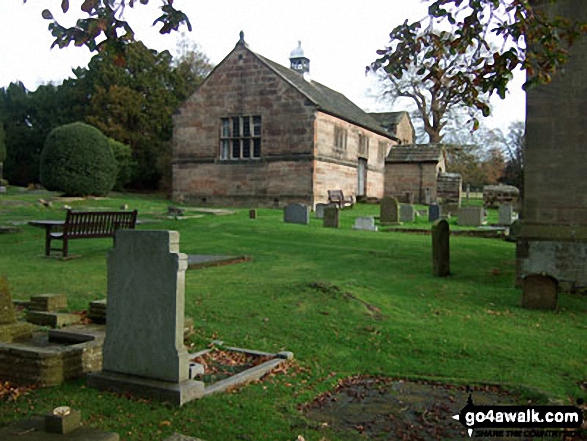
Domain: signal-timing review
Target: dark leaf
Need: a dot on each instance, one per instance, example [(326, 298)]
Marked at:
[(46, 14)]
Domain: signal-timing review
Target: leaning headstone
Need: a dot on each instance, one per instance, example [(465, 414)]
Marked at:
[(433, 212), (143, 350), (471, 216), (440, 248), (389, 211), (331, 217), (296, 214), (539, 292), (407, 213), (319, 212), (365, 223), (506, 215)]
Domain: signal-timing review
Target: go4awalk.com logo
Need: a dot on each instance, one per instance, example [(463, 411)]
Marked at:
[(516, 421)]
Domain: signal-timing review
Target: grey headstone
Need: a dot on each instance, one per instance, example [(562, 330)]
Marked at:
[(471, 216), (320, 210), (440, 248), (2, 190), (407, 213), (296, 214), (331, 217), (146, 289), (539, 292), (389, 211), (253, 214), (507, 216), (365, 223), (433, 212)]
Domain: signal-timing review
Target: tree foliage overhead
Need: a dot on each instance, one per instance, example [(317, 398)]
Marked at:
[(468, 28), (103, 25)]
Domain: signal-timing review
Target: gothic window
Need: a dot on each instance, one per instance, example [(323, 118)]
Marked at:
[(240, 137)]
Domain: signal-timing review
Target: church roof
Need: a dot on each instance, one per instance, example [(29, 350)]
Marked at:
[(327, 100)]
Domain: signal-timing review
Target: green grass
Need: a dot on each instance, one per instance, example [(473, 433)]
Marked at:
[(345, 302)]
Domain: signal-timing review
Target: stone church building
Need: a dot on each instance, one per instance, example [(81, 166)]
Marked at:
[(256, 133)]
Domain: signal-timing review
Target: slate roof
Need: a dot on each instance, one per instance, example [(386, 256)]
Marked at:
[(415, 153), (327, 100)]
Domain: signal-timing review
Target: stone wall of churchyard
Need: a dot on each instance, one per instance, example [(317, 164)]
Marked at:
[(413, 178), (240, 86), (553, 238), (339, 145)]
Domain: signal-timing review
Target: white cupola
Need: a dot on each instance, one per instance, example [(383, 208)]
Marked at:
[(298, 61)]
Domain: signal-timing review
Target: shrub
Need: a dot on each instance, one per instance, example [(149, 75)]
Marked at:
[(78, 161), (124, 162)]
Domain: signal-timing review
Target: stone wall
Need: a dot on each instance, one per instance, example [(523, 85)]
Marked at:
[(450, 187), (554, 231), (413, 178)]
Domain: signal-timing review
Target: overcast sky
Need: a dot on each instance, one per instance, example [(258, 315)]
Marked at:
[(340, 37)]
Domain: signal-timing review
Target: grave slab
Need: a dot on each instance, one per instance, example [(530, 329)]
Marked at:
[(366, 223), (197, 261), (296, 214), (52, 319)]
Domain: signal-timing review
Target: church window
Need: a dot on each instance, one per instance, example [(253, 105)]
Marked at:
[(363, 145), (240, 137), (340, 137)]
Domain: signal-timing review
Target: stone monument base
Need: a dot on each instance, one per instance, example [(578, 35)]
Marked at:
[(15, 332), (175, 393), (34, 430)]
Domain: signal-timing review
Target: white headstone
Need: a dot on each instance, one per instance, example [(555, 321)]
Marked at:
[(365, 223)]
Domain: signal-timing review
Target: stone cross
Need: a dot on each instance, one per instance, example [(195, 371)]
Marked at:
[(440, 248)]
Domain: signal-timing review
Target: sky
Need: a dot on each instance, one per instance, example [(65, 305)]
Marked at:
[(340, 37)]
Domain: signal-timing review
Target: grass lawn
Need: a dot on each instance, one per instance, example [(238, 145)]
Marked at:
[(344, 302)]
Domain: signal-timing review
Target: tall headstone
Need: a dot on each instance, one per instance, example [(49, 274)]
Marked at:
[(407, 213), (389, 211), (143, 350), (332, 217), (433, 212), (365, 223), (539, 292), (471, 216), (440, 248), (296, 214)]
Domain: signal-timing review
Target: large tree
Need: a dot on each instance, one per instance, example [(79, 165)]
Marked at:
[(468, 27)]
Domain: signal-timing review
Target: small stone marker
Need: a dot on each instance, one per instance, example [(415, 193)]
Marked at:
[(252, 214), (389, 211), (48, 302), (143, 350), (97, 311), (407, 213), (513, 231), (319, 212), (440, 248), (296, 214), (507, 215), (331, 217), (433, 212), (470, 216), (539, 292), (365, 223), (63, 420), (2, 190)]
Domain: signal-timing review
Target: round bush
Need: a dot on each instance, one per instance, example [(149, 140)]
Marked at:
[(78, 161)]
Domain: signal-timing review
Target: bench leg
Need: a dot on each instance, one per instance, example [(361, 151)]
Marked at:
[(65, 248), (47, 242)]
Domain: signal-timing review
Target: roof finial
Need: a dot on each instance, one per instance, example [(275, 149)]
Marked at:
[(242, 37)]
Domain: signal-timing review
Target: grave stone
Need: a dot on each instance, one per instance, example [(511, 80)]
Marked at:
[(407, 213), (319, 213), (143, 350), (389, 211), (427, 196), (10, 329), (507, 215), (365, 223), (296, 214), (48, 302), (331, 217), (252, 214), (440, 248), (2, 190), (539, 292), (470, 216), (433, 212)]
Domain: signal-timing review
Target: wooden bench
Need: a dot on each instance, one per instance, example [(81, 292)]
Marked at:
[(337, 197), (87, 225)]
